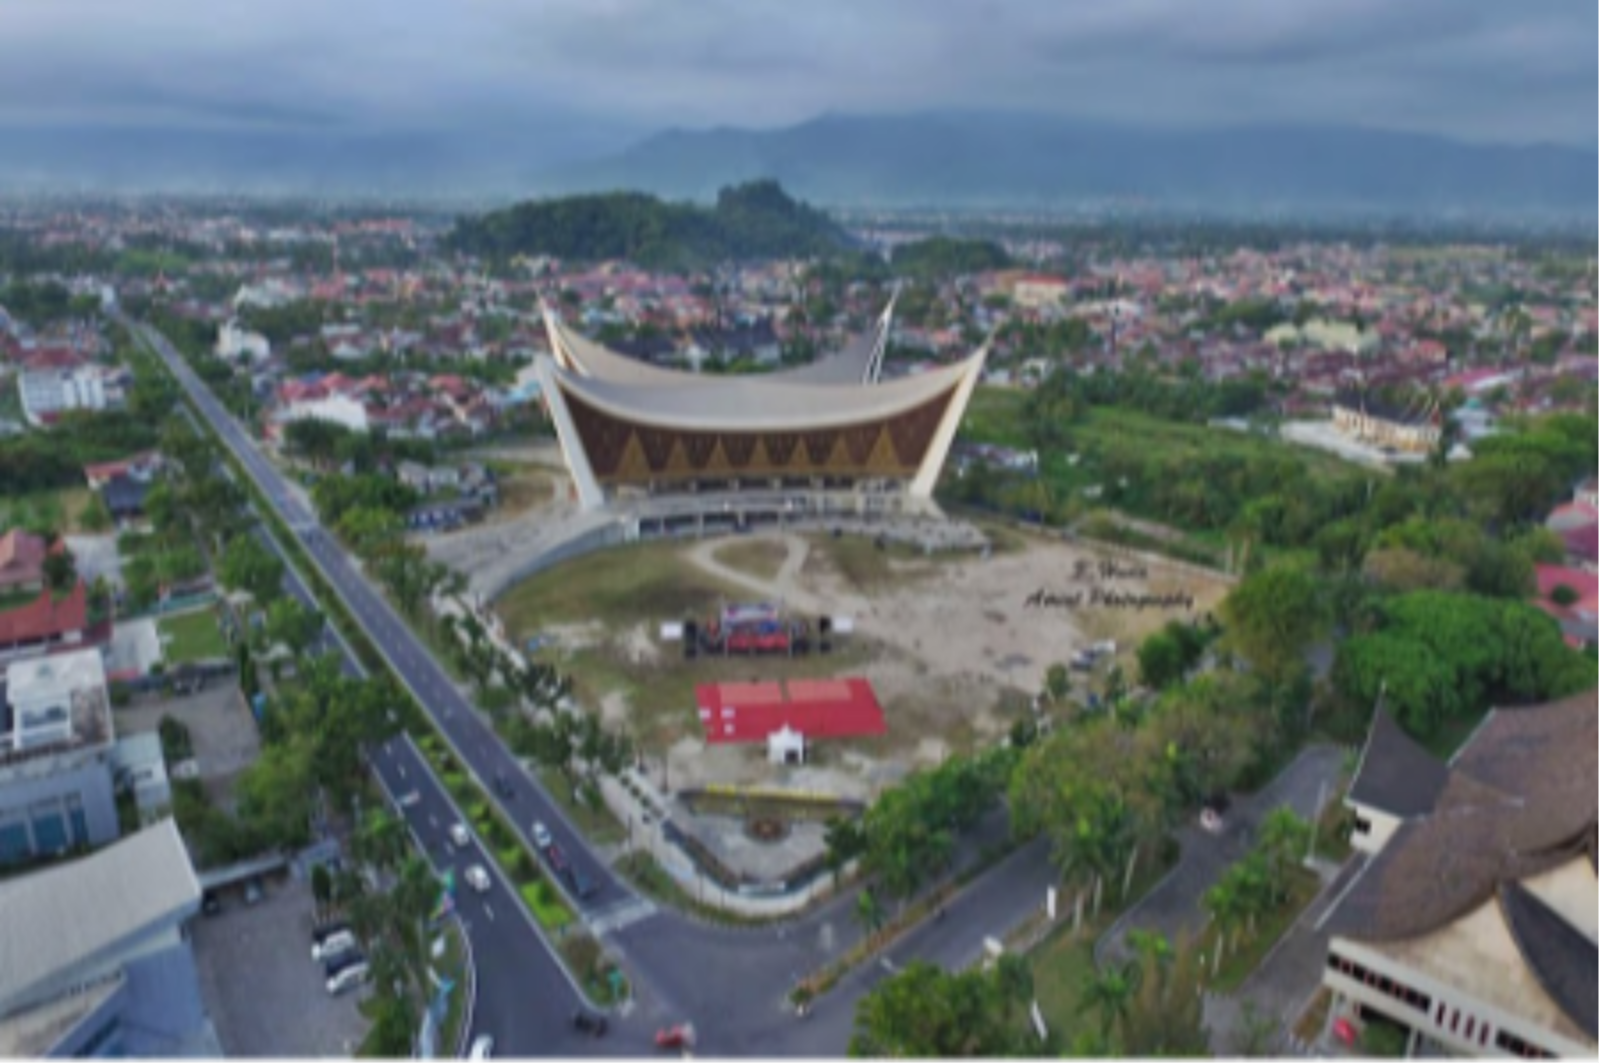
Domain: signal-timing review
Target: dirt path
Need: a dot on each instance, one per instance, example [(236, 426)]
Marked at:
[(784, 585)]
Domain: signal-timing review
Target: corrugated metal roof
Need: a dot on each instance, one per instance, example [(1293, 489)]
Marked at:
[(56, 919)]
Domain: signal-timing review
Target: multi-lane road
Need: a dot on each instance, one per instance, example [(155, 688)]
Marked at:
[(731, 983)]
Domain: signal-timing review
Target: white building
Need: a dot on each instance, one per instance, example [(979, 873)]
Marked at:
[(50, 698), (47, 393), (1471, 922), (234, 342), (55, 752), (338, 409), (269, 293)]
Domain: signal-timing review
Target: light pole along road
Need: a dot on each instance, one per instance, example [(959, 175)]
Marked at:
[(731, 982)]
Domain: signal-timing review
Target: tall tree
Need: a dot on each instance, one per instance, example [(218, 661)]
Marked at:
[(1273, 616)]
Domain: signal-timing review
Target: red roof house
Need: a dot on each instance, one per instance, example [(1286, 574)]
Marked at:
[(47, 620), (21, 561)]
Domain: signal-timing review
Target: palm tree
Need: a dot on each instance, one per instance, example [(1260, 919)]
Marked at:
[(869, 911), (1284, 839), (381, 841), (1110, 994)]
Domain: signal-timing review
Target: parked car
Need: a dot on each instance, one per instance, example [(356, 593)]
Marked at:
[(477, 878), (331, 946), (252, 891), (343, 962), (460, 835), (594, 1025), (345, 979), (210, 903), (557, 859), (541, 835), (327, 930), (482, 1048), (581, 884)]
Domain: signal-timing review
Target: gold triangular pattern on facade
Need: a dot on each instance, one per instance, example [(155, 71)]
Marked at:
[(632, 467)]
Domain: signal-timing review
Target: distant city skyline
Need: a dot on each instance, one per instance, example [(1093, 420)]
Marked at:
[(603, 71)]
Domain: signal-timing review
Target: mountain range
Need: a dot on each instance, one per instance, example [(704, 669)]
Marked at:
[(1020, 161), (960, 160)]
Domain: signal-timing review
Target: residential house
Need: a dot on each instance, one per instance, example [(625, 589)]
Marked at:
[(142, 467), (235, 342), (1471, 921), (45, 624), (22, 562)]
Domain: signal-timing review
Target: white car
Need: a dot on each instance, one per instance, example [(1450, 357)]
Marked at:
[(350, 976), (331, 946), (410, 799), (482, 1048), (541, 835), (460, 835), (477, 878)]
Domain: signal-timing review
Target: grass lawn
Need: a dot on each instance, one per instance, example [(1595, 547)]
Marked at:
[(858, 561), (1238, 964), (192, 637), (60, 509), (1113, 434), (644, 582), (1063, 963), (761, 558)]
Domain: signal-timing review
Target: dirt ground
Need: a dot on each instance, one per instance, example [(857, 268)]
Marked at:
[(950, 643)]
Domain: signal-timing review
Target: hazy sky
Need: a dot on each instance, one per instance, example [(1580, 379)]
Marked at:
[(1516, 70)]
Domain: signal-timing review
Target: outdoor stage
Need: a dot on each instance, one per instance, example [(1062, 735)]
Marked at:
[(816, 708)]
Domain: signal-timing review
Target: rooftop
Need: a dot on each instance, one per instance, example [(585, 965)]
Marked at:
[(76, 913), (1396, 775), (1518, 803)]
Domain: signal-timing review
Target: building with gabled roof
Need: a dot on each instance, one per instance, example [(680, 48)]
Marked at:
[(1472, 923), (835, 425)]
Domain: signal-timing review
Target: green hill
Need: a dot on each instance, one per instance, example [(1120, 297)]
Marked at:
[(748, 221)]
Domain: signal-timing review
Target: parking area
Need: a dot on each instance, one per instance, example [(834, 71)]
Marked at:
[(265, 995), (224, 734)]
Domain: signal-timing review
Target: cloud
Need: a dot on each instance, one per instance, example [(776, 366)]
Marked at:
[(1477, 69)]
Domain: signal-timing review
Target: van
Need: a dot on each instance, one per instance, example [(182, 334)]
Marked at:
[(334, 944), (350, 976)]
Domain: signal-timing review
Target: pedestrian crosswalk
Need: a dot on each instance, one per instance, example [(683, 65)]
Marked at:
[(620, 916)]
